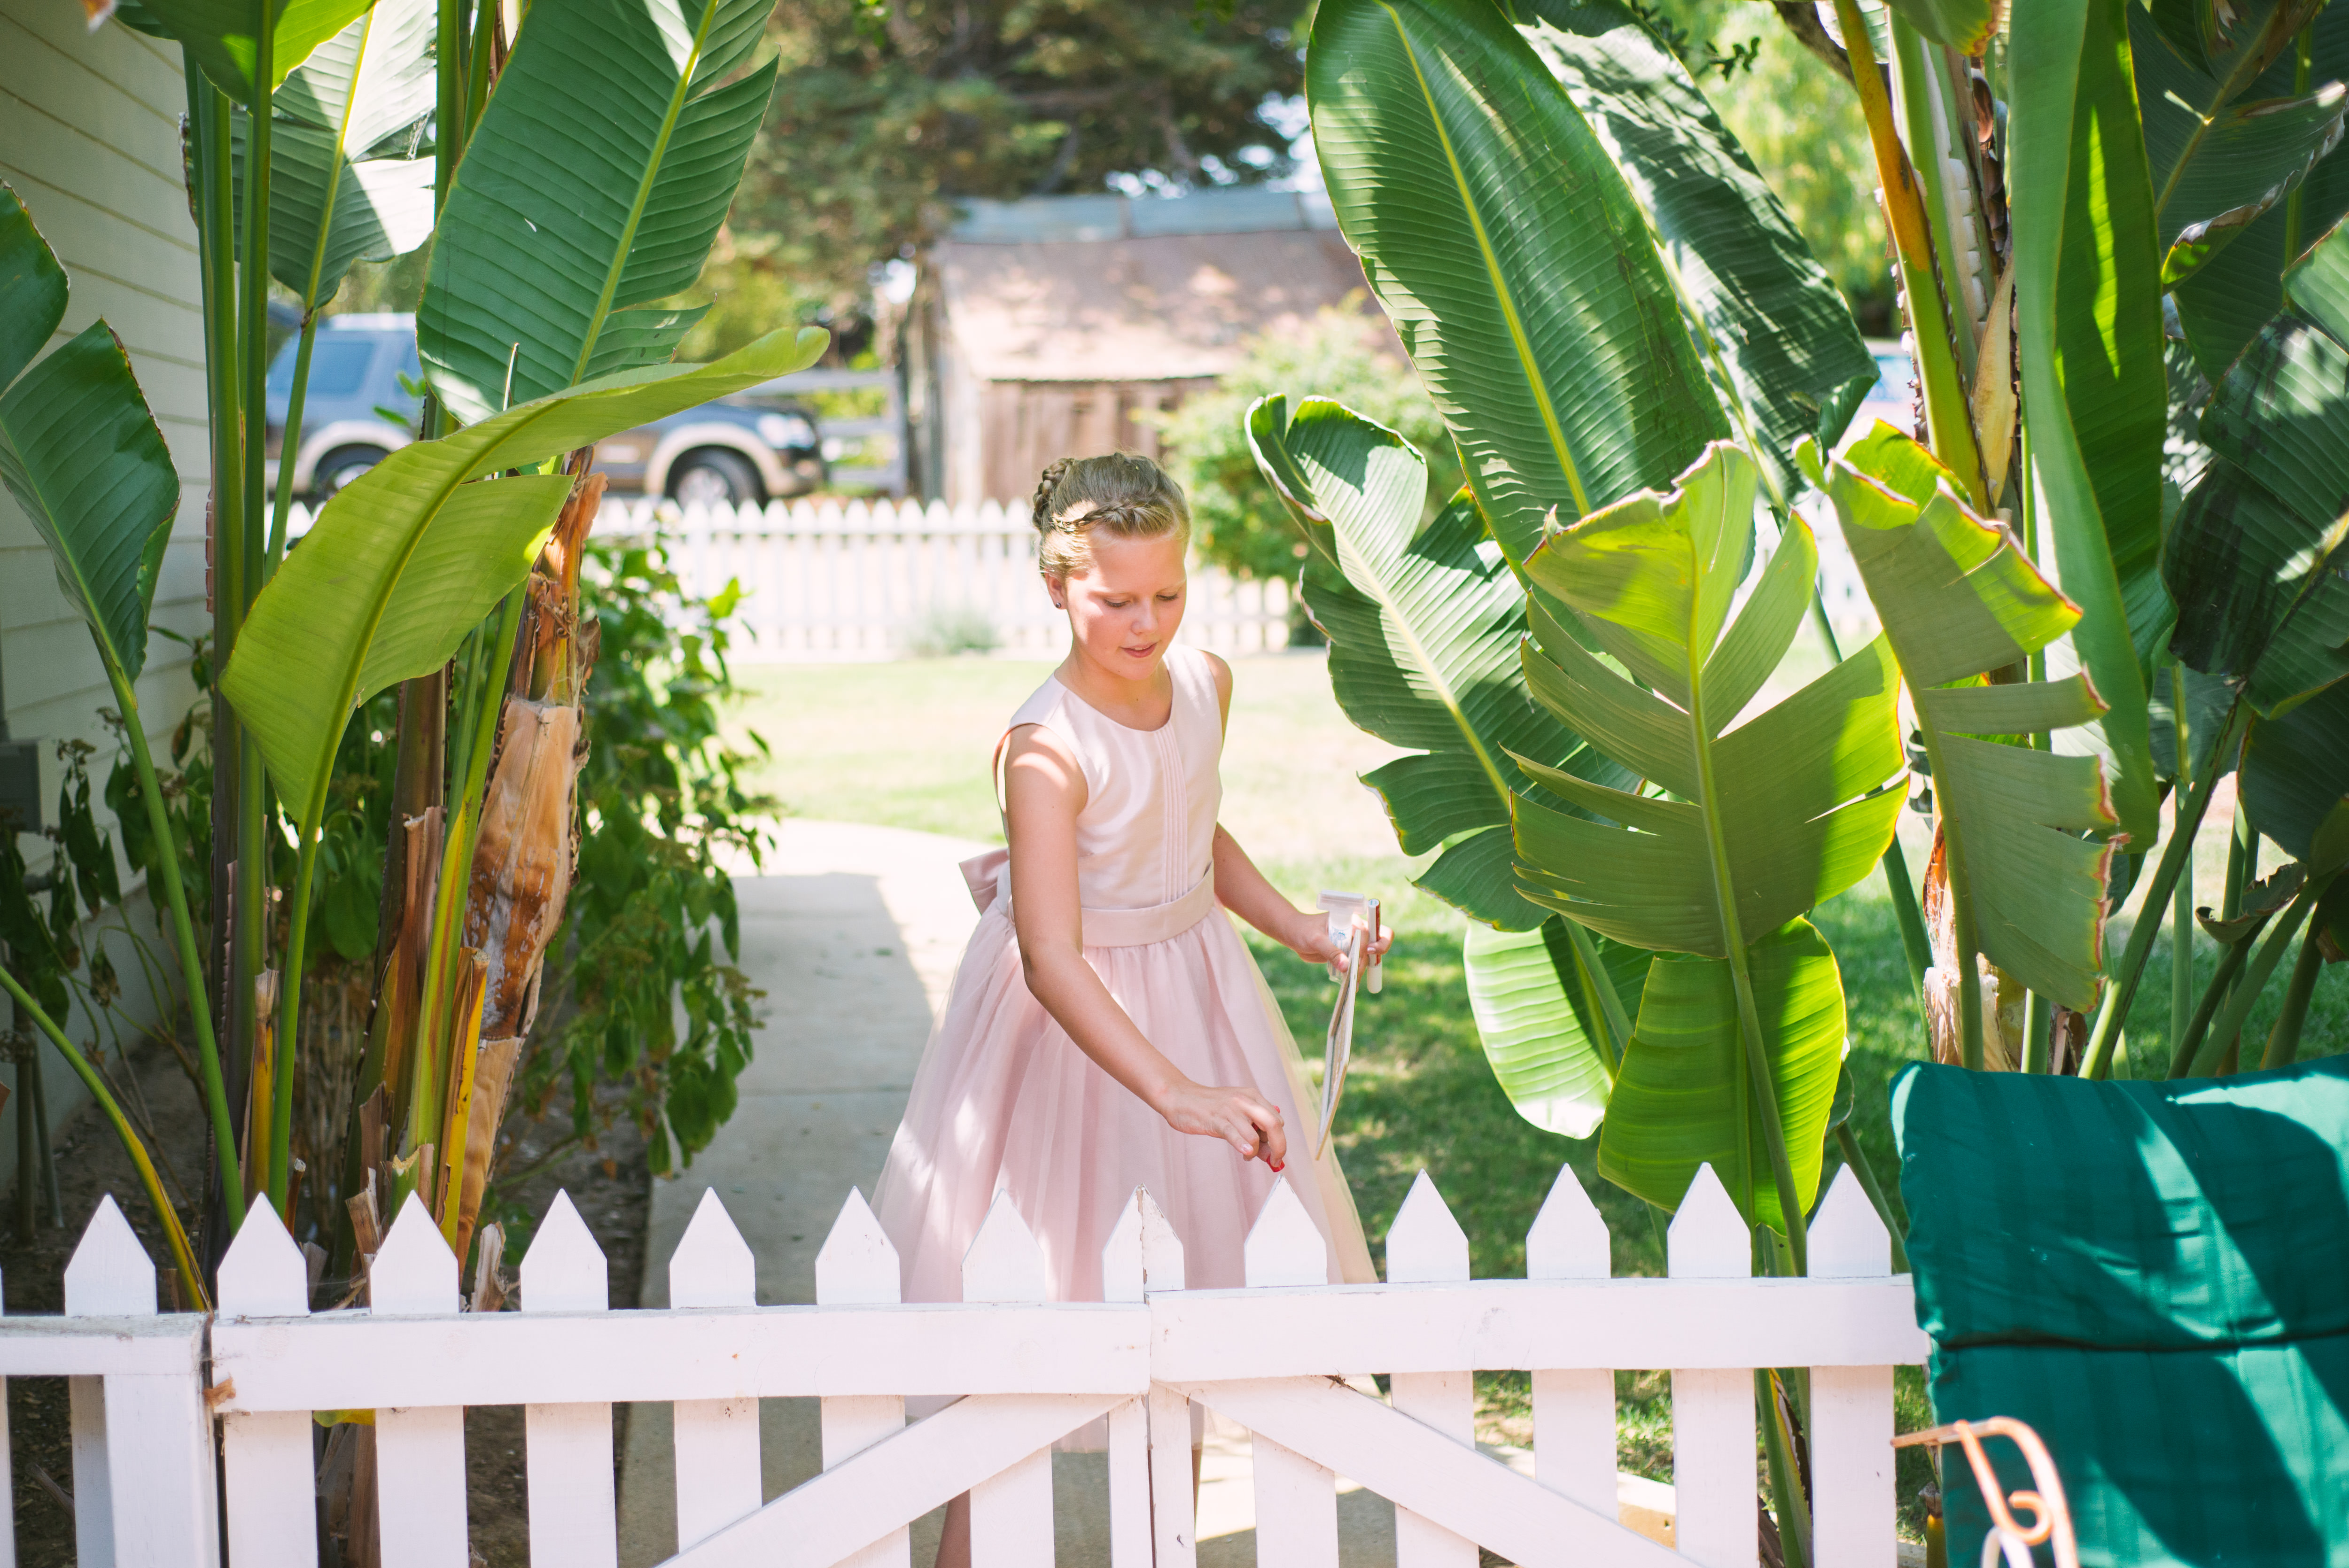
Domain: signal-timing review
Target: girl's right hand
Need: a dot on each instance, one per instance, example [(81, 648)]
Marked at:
[(1237, 1117)]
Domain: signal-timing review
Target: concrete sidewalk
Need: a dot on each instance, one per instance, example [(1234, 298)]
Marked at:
[(853, 933)]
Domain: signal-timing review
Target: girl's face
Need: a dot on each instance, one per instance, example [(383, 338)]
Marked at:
[(1123, 610)]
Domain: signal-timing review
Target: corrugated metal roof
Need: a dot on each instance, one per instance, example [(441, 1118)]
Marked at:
[(1226, 209)]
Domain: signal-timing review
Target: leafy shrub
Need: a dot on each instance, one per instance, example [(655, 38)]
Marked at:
[(1236, 521), (663, 811)]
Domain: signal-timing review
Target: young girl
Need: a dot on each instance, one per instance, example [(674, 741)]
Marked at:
[(1107, 1028)]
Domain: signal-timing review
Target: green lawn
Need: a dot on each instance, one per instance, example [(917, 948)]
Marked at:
[(907, 745)]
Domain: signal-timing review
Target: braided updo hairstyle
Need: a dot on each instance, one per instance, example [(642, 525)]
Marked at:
[(1121, 494)]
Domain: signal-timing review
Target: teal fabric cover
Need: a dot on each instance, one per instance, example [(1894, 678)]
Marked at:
[(2155, 1276)]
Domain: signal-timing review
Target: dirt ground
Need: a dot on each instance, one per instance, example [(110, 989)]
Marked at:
[(610, 1185)]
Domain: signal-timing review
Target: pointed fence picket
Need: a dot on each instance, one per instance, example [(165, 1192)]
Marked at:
[(1273, 1355), (718, 1475)]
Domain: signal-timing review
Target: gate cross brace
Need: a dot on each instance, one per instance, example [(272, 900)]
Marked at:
[(895, 1481), (1413, 1466)]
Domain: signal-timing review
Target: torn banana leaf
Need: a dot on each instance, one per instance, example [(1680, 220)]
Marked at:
[(1960, 600), (1757, 822)]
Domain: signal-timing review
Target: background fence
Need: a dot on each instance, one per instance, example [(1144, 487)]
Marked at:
[(832, 580), (1272, 1356), (876, 580)]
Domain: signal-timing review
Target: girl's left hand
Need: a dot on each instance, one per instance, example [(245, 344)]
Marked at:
[(1310, 940)]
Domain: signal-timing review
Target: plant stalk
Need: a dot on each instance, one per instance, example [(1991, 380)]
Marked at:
[(2303, 62), (2097, 1060), (289, 444), (1949, 420), (165, 1215), (2255, 976), (1888, 1207), (1761, 1088), (183, 931), (1611, 1002), (2214, 995), (1914, 943), (2181, 899), (1793, 1508), (2283, 1039)]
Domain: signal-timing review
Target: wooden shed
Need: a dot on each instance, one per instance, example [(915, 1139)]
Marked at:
[(1058, 324)]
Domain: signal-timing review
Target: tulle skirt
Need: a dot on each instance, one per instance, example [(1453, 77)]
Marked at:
[(1005, 1101)]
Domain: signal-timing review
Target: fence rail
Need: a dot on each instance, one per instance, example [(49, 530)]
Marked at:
[(1023, 1372), (844, 581)]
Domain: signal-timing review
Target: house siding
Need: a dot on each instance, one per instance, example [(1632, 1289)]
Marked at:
[(90, 138)]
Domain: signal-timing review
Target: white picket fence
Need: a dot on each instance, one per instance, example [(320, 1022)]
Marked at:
[(828, 580), (1270, 1357)]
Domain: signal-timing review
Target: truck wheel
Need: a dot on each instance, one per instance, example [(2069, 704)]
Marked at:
[(713, 475), (340, 466)]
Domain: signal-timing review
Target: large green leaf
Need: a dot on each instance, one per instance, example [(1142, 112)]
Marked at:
[(1517, 267), (2259, 557), (78, 449), (344, 183), (1423, 627), (1965, 25), (2232, 294), (407, 559), (1773, 328), (1959, 599), (2252, 156), (226, 42), (2296, 773), (2087, 306), (1686, 1097), (1543, 1022), (592, 186), (1761, 821), (1759, 818)]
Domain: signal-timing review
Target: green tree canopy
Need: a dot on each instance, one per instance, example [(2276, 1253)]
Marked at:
[(882, 115)]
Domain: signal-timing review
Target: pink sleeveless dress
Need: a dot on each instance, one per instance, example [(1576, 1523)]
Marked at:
[(1005, 1100)]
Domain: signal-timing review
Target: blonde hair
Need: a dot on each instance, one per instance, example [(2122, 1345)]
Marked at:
[(1127, 496)]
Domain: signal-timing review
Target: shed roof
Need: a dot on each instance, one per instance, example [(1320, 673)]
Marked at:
[(1112, 288)]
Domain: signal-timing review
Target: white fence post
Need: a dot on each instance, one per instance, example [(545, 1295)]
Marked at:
[(1295, 1499), (716, 1440), (420, 1452), (1125, 1278), (573, 1516), (1011, 1512), (1174, 1518), (1574, 1409), (1425, 1246), (858, 1268), (272, 1515), (1852, 1495), (1715, 1520), (143, 1482)]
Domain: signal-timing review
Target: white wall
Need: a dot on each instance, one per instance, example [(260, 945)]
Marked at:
[(90, 138)]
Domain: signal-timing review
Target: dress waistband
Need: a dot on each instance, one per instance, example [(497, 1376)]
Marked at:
[(989, 876)]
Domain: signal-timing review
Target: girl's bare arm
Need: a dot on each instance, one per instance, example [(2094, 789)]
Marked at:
[(1044, 790), (1246, 891)]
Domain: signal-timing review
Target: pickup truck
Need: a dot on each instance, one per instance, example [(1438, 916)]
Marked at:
[(361, 406)]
